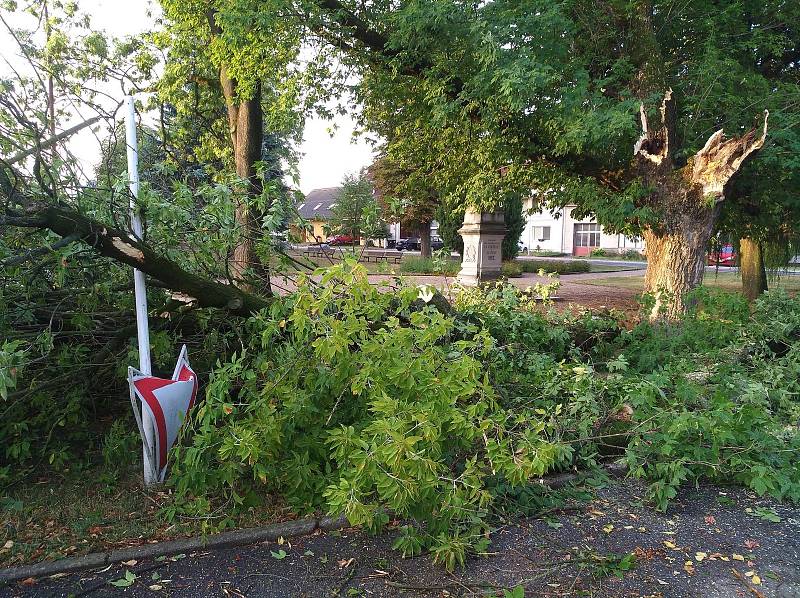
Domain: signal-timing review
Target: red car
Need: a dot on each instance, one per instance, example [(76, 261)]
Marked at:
[(341, 240), (726, 256)]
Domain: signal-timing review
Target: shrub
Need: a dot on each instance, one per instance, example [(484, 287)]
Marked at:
[(427, 265), (598, 252), (511, 269), (633, 255), (545, 253), (555, 266)]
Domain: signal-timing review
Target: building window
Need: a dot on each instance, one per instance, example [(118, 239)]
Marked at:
[(541, 233), (587, 235)]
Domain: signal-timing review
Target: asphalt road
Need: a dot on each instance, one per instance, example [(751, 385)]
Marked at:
[(708, 544)]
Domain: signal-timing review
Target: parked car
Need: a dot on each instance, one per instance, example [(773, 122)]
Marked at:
[(341, 240), (409, 244), (725, 256), (415, 244)]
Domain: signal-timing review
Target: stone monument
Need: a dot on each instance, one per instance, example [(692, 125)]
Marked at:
[(483, 234)]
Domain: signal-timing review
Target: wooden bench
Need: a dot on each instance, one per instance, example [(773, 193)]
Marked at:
[(386, 256), (317, 252)]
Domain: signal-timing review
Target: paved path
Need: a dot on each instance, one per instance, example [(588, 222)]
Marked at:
[(707, 545)]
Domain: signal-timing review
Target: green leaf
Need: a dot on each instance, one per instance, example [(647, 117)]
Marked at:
[(125, 581)]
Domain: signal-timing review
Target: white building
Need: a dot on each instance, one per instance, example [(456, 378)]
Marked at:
[(558, 231)]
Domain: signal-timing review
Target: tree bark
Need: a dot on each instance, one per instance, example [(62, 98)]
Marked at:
[(425, 239), (688, 200), (754, 272), (675, 264)]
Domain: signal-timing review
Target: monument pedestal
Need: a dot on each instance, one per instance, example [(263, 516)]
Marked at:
[(483, 234)]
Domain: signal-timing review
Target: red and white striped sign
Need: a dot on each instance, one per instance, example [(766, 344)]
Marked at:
[(168, 403)]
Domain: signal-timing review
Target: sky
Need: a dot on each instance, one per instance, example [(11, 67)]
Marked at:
[(326, 159)]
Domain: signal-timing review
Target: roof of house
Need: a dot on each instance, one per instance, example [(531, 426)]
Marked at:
[(318, 203)]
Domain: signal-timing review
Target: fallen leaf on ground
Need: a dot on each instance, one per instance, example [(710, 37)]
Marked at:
[(608, 528), (344, 563), (28, 581), (751, 544), (752, 575), (130, 563), (699, 556), (737, 557), (710, 520), (688, 566), (669, 544)]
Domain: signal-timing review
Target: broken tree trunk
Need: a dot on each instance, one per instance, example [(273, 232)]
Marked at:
[(121, 247), (754, 272), (687, 199)]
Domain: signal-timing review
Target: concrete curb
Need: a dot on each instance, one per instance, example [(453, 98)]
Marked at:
[(267, 533)]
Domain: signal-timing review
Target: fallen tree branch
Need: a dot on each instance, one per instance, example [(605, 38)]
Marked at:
[(121, 247), (34, 253)]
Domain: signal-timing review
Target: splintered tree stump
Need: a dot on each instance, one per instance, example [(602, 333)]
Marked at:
[(687, 198)]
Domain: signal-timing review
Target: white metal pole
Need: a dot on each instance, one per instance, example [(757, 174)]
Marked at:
[(143, 332)]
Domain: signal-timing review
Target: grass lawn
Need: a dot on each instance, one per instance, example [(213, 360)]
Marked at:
[(595, 267), (85, 510), (730, 281)]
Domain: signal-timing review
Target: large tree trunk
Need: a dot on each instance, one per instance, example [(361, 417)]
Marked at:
[(754, 272), (425, 239), (246, 125), (687, 199), (246, 122), (676, 262)]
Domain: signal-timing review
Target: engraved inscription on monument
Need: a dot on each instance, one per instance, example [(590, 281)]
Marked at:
[(491, 251)]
